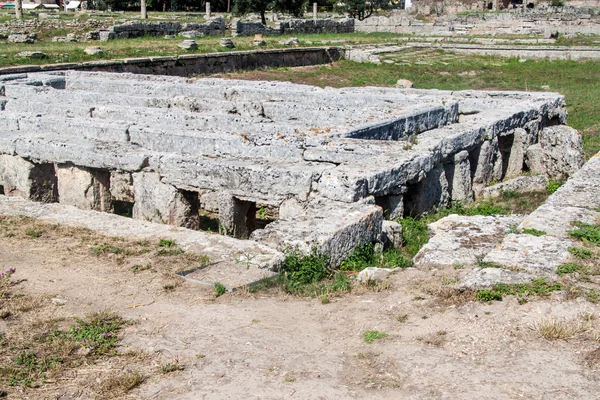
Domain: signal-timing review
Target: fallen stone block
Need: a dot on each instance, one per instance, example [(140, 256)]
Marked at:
[(482, 278), (374, 275), (463, 240)]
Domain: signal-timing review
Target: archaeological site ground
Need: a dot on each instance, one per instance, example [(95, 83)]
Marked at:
[(203, 206)]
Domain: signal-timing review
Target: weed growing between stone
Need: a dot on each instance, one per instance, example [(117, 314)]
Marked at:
[(589, 233), (538, 287), (366, 256)]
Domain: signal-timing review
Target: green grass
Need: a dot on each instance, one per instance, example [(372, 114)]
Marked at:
[(589, 233), (581, 252), (538, 287), (366, 256), (533, 232), (220, 289), (370, 336)]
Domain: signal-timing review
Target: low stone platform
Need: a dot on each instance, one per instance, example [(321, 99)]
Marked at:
[(234, 262), (285, 164)]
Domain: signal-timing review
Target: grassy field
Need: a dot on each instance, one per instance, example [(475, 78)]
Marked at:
[(578, 81)]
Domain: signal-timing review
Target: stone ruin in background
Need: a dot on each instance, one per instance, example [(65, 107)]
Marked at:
[(277, 163)]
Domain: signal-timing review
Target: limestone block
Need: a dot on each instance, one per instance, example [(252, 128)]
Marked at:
[(83, 188), (458, 174), (28, 180), (522, 184), (563, 151), (534, 159), (516, 158), (483, 158), (557, 220), (537, 255), (428, 194), (373, 274), (462, 240), (291, 208), (393, 206), (481, 278), (209, 201), (156, 201), (237, 217), (391, 234), (121, 186)]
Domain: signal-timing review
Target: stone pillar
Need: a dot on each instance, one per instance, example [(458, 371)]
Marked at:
[(237, 218), (458, 174), (392, 205), (83, 188), (208, 12), (19, 9), (516, 157), (428, 194), (144, 12), (28, 180), (163, 203), (482, 165), (315, 11)]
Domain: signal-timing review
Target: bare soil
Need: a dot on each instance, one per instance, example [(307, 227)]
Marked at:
[(440, 344)]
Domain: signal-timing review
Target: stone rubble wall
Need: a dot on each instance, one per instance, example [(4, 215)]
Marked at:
[(543, 21), (133, 29), (292, 27)]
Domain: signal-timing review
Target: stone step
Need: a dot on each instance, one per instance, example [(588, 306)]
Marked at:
[(234, 263)]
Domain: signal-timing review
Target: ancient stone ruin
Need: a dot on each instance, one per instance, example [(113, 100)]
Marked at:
[(278, 163)]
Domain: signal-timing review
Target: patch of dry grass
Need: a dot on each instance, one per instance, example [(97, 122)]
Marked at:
[(118, 385), (558, 329)]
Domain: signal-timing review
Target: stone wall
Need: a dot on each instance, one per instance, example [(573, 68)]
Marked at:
[(294, 26), (542, 21), (133, 29), (199, 64)]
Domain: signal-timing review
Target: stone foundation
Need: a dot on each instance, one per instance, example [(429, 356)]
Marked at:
[(171, 150)]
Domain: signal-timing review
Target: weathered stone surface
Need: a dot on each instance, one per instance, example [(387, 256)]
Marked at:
[(28, 180), (481, 278), (557, 221), (463, 240), (93, 50), (458, 174), (88, 190), (516, 154), (121, 186), (156, 201), (563, 151), (522, 184), (534, 159), (372, 274), (533, 254), (188, 45), (334, 228), (391, 234), (429, 193), (226, 42), (31, 54), (484, 158), (20, 38), (237, 217), (404, 84), (289, 42)]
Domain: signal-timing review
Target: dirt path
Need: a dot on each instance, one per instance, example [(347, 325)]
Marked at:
[(274, 346)]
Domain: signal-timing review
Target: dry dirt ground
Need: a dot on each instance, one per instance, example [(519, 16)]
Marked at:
[(270, 345)]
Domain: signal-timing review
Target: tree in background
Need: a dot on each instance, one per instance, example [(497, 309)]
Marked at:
[(294, 7), (18, 9), (361, 9)]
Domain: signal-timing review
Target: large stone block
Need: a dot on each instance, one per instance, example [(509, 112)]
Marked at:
[(156, 201), (84, 188), (428, 194), (28, 180), (562, 149), (458, 174)]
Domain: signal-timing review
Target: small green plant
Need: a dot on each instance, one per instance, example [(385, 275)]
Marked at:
[(581, 252), (586, 232), (414, 234), (487, 264), (262, 212), (166, 243), (488, 295), (200, 356), (394, 258), (362, 257), (325, 299), (33, 233), (169, 287), (568, 268), (370, 336), (509, 194), (514, 229), (169, 251), (171, 367), (139, 268), (534, 232), (303, 269), (220, 289), (552, 185)]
